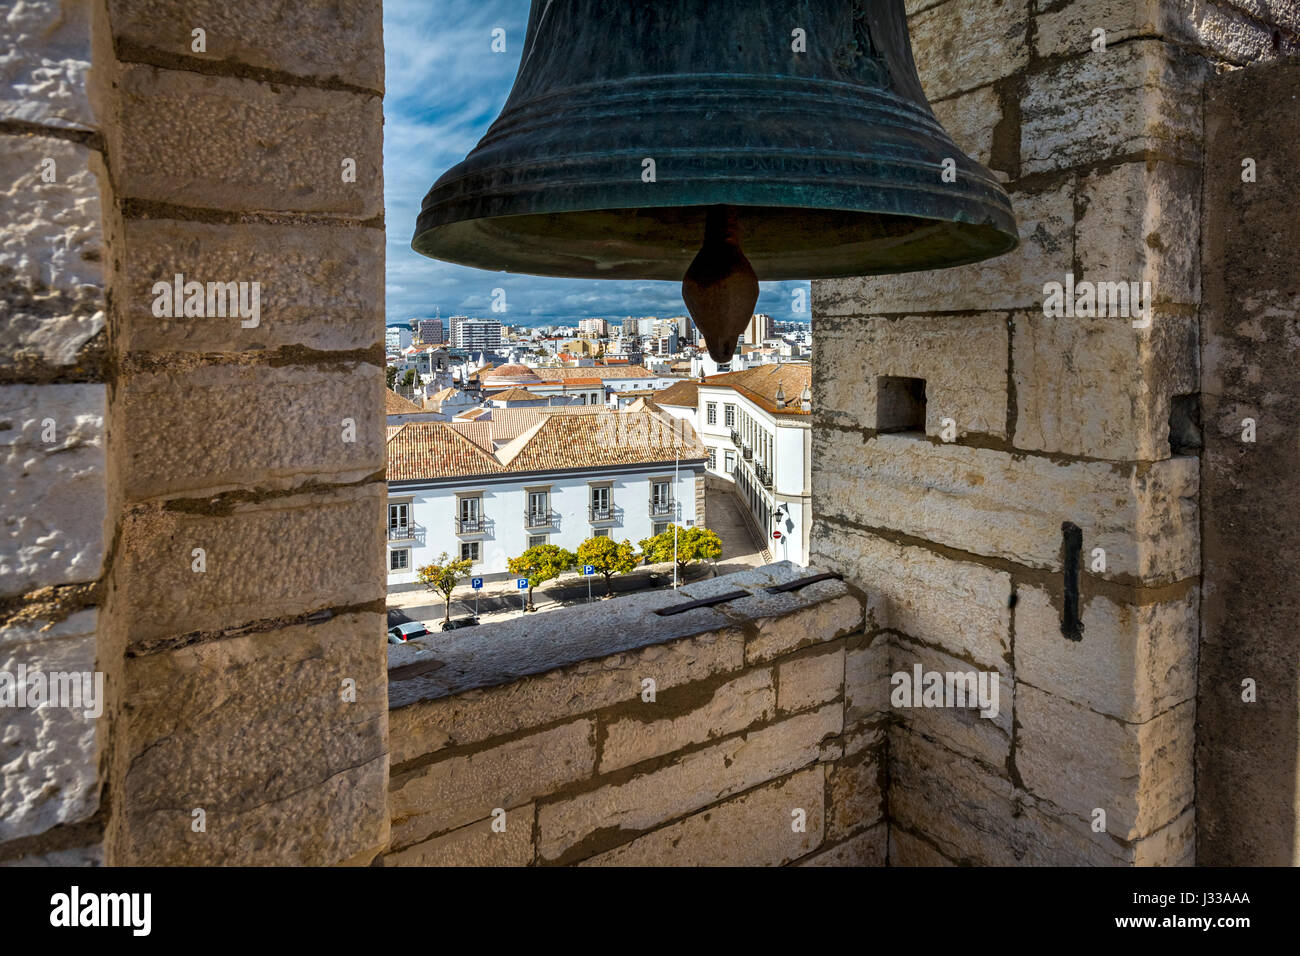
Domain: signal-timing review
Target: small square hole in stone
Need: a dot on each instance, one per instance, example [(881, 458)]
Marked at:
[(900, 404), (1185, 425)]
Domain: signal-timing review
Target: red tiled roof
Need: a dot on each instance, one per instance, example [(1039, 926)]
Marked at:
[(759, 385), (424, 450)]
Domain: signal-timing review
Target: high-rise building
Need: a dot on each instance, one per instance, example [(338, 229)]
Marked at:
[(453, 322), (477, 334), (759, 329), (397, 338), (432, 332), (630, 328), (597, 328)]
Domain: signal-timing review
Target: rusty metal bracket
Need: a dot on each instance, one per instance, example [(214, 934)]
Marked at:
[(702, 602), (798, 583)]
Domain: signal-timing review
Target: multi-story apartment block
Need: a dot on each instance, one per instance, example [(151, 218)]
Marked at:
[(397, 337), (759, 329), (595, 328), (477, 334), (431, 331), (456, 488), (755, 426)]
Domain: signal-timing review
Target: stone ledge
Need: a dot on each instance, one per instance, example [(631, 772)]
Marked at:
[(502, 653)]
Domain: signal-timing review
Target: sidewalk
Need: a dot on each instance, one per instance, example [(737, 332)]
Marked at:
[(501, 600)]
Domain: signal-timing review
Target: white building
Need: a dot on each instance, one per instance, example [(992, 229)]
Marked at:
[(755, 426), (477, 334), (397, 337), (596, 328), (474, 491)]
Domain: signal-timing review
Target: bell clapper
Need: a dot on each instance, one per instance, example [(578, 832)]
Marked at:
[(721, 288)]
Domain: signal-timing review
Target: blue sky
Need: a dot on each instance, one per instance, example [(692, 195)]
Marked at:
[(444, 88)]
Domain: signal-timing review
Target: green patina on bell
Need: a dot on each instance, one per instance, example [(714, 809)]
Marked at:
[(646, 138)]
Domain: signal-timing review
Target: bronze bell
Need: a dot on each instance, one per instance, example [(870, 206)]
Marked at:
[(651, 139)]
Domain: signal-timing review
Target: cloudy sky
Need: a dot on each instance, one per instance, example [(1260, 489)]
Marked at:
[(444, 88)]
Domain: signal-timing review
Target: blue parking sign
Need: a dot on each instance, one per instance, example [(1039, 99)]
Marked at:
[(521, 583), (476, 583), (588, 569)]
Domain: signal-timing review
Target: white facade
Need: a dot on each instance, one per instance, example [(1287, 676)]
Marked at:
[(768, 457), (477, 334), (397, 337), (487, 518)]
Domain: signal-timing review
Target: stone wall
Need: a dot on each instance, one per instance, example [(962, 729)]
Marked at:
[(220, 556), (55, 376), (1248, 810), (963, 545), (537, 742)]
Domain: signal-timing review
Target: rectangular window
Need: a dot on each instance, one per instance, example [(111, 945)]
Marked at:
[(397, 519), (661, 527), (600, 498), (600, 533), (469, 551), (729, 415), (539, 507), (711, 413), (469, 515), (661, 501), (536, 540), (729, 459), (713, 459), (399, 560)]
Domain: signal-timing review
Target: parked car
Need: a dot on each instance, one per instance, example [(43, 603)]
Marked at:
[(405, 632), (459, 622)]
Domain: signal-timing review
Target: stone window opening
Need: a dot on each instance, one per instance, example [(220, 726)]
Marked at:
[(900, 404)]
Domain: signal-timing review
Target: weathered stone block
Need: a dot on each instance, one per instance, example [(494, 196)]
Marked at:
[(207, 728), (45, 59), (1136, 97), (476, 844), (593, 821), (218, 142), (460, 789), (908, 850), (730, 708), (1140, 774), (969, 615), (338, 42), (1140, 222), (868, 848), (320, 287), (989, 503), (756, 829), (51, 251), (968, 43), (1212, 26), (213, 428), (49, 755), (1099, 388), (424, 726), (866, 679), (971, 119), (53, 494), (262, 561), (963, 361), (961, 729), (1011, 281), (806, 681), (1135, 660), (856, 799)]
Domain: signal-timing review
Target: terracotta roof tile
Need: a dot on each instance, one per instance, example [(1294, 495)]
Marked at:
[(423, 450), (394, 404), (759, 384)]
